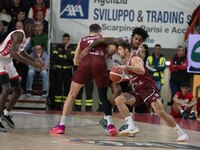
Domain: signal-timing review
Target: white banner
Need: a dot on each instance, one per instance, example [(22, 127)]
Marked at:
[(194, 53), (165, 20)]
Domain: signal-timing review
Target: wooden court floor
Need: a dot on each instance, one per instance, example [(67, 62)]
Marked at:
[(84, 133)]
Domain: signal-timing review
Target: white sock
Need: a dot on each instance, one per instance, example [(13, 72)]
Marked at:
[(130, 122), (6, 113), (182, 110), (109, 119), (179, 130), (192, 111), (62, 120)]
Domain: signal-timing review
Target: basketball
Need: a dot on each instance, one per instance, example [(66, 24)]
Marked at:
[(116, 76)]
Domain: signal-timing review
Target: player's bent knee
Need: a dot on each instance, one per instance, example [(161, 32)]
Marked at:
[(119, 100)]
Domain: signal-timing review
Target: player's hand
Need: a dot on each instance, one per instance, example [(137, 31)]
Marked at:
[(122, 68), (38, 65), (186, 106), (85, 52)]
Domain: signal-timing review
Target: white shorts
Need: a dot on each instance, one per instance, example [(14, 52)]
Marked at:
[(8, 68)]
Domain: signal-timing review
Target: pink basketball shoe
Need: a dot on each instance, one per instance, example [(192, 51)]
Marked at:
[(58, 129), (112, 130)]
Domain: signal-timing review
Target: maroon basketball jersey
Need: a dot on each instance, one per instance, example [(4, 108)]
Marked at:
[(140, 81), (88, 40)]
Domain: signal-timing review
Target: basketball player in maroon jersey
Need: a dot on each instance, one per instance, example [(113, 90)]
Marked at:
[(13, 48), (144, 90), (91, 66), (139, 35)]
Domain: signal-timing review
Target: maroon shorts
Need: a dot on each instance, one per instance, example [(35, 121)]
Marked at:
[(145, 95), (92, 66)]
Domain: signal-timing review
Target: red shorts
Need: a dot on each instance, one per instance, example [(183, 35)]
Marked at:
[(92, 66)]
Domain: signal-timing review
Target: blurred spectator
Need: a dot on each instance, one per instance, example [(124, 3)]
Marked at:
[(2, 32), (88, 86), (40, 18), (156, 65), (62, 71), (144, 53), (4, 5), (14, 7), (38, 54), (39, 6), (19, 25), (184, 103), (178, 68), (40, 38), (21, 16)]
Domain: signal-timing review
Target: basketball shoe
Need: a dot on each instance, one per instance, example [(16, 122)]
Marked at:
[(8, 121), (103, 122), (184, 115), (112, 130), (125, 130), (192, 115), (58, 129), (2, 128), (182, 138)]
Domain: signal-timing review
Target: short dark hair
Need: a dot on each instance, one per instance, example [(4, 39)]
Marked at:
[(95, 28), (140, 31), (145, 46), (66, 35), (185, 84), (125, 45), (157, 45), (29, 21), (180, 46)]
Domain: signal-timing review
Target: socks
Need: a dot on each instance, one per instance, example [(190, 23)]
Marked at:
[(109, 119), (130, 122), (192, 111), (6, 113), (181, 111), (62, 120), (179, 130)]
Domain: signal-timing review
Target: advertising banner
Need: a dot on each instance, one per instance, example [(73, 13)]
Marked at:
[(194, 53), (165, 20)]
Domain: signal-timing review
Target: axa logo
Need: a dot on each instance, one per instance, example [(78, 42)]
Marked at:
[(74, 9)]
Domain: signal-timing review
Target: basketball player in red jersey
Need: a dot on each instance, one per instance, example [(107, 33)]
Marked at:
[(12, 48), (91, 66), (144, 90)]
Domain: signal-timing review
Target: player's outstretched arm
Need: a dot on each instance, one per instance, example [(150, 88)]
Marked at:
[(137, 65), (17, 39), (100, 41), (27, 56)]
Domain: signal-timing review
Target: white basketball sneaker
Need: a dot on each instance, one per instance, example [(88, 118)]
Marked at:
[(126, 131), (182, 138)]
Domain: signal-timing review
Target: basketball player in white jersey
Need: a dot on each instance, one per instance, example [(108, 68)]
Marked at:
[(12, 48)]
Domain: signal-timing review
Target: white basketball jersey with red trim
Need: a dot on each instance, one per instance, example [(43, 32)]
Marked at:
[(6, 45)]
